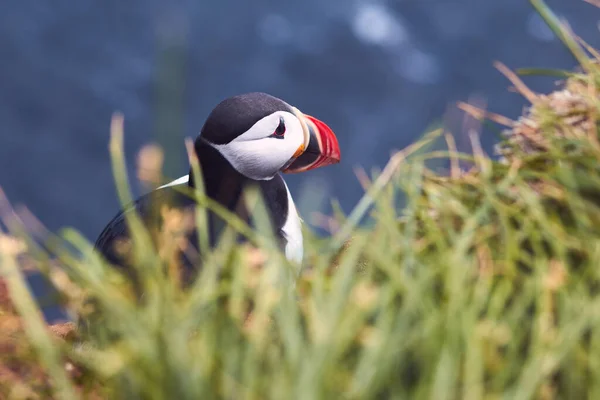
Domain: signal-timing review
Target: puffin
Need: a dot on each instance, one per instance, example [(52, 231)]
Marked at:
[(247, 140)]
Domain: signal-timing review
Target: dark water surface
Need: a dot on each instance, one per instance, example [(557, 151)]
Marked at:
[(378, 72)]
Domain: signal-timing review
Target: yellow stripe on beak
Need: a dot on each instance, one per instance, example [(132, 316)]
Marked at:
[(299, 151)]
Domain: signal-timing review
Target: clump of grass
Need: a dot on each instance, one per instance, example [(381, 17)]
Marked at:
[(22, 376), (484, 286)]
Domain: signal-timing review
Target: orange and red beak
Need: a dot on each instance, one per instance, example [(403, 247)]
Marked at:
[(321, 149)]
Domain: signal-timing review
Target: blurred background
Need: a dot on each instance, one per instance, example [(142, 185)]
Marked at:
[(378, 72)]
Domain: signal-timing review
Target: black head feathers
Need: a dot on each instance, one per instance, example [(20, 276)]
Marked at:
[(237, 114)]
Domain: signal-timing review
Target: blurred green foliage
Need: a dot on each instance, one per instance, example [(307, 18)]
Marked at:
[(485, 285)]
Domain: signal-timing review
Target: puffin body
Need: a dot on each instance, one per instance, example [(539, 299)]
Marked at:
[(246, 141), (284, 215)]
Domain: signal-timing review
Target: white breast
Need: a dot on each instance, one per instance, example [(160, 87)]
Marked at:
[(292, 229), (180, 181)]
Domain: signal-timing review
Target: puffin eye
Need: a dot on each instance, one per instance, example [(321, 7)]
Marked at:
[(280, 131)]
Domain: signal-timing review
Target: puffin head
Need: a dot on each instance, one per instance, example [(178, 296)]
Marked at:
[(261, 135)]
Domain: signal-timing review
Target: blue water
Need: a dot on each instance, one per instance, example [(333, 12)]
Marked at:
[(378, 72)]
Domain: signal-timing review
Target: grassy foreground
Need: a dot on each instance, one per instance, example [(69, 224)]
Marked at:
[(485, 285)]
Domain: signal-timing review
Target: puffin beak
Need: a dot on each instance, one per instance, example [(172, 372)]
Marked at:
[(321, 147)]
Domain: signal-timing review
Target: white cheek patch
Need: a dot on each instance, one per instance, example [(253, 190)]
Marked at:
[(256, 159), (257, 155)]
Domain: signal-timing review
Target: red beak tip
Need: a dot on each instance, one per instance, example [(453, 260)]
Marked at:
[(331, 147)]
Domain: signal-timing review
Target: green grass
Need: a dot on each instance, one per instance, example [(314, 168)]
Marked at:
[(485, 285)]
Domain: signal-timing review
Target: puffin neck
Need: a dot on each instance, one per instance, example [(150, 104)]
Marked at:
[(222, 182)]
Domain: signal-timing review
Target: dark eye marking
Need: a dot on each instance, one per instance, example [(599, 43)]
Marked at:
[(280, 130)]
